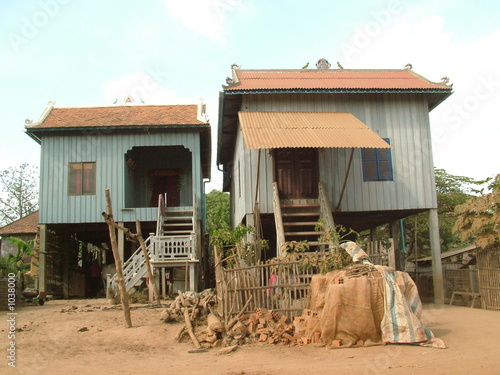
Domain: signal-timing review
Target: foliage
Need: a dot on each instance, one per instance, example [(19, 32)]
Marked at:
[(323, 261), (11, 263), (218, 211), (479, 218), (452, 191), (18, 192), (232, 247)]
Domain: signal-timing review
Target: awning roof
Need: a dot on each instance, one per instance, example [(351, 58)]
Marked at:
[(307, 129)]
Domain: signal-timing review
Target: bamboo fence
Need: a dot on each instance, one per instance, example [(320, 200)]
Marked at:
[(282, 287), (488, 266)]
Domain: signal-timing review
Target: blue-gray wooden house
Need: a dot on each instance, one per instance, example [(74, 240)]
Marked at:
[(350, 147), (140, 153)]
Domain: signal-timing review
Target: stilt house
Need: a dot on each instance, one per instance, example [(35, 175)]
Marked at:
[(350, 147), (153, 158)]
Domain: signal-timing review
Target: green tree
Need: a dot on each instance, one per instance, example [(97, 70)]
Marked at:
[(18, 192), (218, 211), (452, 191)]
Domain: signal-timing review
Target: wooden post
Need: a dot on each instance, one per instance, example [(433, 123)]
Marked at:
[(437, 269), (118, 262), (396, 244), (121, 241), (345, 179), (152, 281), (42, 280)]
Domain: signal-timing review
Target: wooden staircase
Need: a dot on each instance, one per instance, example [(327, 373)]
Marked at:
[(177, 223), (297, 222), (173, 244)]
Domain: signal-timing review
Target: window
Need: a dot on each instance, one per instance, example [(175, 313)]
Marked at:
[(377, 163), (81, 179)]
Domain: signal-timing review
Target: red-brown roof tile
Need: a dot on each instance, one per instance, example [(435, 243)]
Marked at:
[(331, 79), (120, 116), (27, 224)]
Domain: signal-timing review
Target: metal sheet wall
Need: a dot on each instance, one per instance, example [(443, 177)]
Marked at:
[(403, 118), (108, 151)]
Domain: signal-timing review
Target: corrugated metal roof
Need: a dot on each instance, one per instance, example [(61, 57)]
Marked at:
[(332, 79), (451, 253), (126, 115), (306, 129)]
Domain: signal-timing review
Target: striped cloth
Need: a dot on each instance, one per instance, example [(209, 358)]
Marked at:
[(401, 323)]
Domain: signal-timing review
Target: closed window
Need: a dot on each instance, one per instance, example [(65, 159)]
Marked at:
[(81, 179), (377, 163)]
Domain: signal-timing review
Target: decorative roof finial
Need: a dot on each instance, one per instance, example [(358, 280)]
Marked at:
[(234, 66), (323, 64), (445, 80), (408, 66)]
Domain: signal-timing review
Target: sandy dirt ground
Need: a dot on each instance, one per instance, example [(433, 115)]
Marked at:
[(82, 337)]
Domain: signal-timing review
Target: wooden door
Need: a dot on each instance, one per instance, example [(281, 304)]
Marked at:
[(166, 181), (297, 172)]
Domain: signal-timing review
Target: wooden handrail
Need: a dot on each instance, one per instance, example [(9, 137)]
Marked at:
[(278, 219), (325, 208)]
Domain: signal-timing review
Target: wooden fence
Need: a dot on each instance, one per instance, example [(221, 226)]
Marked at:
[(488, 266), (282, 287)]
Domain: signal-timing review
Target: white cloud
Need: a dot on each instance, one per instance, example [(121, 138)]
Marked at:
[(205, 17), (139, 85)]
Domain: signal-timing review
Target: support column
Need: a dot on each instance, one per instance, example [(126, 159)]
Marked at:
[(437, 269), (42, 281), (121, 242), (192, 277), (396, 244)]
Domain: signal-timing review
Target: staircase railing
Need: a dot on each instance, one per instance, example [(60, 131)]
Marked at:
[(173, 248), (160, 215), (325, 208), (134, 268), (278, 219)]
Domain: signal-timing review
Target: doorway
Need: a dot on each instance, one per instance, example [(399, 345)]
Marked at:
[(296, 172), (166, 181)]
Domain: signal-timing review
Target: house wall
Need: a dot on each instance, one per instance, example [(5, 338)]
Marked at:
[(404, 118), (108, 151)]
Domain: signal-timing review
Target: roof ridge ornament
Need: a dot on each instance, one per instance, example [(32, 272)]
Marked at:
[(323, 64)]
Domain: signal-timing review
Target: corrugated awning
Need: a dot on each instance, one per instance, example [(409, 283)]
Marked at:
[(307, 129)]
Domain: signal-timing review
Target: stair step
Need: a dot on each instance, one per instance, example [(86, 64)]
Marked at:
[(299, 223), (176, 224), (304, 233), (177, 232), (300, 205), (317, 243), (297, 214), (171, 218)]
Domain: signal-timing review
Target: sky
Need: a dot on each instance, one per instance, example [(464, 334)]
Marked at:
[(90, 53)]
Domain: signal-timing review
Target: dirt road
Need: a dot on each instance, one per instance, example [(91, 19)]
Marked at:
[(81, 337)]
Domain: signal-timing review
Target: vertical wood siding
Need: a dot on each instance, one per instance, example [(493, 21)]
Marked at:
[(108, 151), (403, 118)]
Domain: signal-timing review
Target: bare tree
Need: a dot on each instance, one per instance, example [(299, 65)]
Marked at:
[(18, 192)]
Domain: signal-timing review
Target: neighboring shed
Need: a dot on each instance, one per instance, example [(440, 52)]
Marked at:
[(24, 228), (459, 271)]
